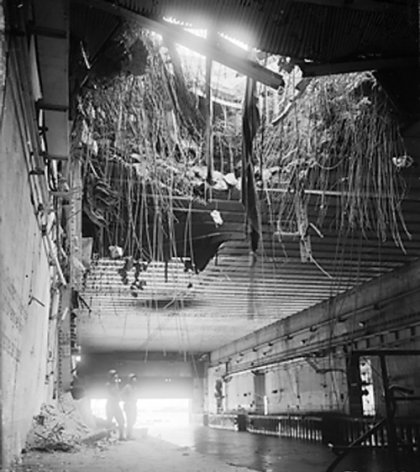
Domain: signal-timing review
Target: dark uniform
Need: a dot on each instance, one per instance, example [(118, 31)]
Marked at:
[(113, 409), (129, 395)]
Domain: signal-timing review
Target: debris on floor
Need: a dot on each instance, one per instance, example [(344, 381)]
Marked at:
[(58, 427)]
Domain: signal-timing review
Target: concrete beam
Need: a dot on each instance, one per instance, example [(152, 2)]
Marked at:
[(375, 305)]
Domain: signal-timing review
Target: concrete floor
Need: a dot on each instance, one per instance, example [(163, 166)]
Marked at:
[(207, 450)]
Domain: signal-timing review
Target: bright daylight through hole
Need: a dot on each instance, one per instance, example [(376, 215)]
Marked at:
[(159, 412)]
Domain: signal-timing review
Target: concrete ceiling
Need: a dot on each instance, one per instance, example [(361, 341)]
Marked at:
[(183, 311)]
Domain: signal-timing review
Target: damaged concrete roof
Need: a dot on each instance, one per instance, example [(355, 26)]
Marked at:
[(178, 310)]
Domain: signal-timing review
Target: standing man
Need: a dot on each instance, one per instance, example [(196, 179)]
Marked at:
[(113, 409), (129, 394)]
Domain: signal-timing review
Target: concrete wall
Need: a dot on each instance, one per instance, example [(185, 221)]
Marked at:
[(289, 388), (239, 392), (305, 388), (305, 358), (24, 289)]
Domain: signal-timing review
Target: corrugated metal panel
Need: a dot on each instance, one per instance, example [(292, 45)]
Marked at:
[(296, 29), (91, 26)]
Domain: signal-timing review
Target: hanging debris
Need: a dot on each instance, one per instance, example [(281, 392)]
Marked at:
[(334, 148), (250, 124), (324, 145)]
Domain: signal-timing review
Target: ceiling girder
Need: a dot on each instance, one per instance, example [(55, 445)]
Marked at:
[(221, 51)]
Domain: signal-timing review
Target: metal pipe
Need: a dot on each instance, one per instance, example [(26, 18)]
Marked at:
[(55, 260), (43, 196), (19, 54), (386, 352)]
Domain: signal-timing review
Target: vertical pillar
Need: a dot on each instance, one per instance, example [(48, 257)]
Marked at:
[(389, 407), (353, 380), (64, 345)]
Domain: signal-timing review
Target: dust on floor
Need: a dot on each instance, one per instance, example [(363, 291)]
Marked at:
[(145, 455)]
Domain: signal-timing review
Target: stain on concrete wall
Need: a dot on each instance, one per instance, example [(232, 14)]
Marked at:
[(289, 388), (239, 392), (301, 387), (24, 290), (213, 375)]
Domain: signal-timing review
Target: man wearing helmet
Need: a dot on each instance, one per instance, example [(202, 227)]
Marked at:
[(129, 395), (113, 409)]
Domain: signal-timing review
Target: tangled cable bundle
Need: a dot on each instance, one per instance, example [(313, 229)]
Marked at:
[(141, 140), (137, 146), (338, 146)]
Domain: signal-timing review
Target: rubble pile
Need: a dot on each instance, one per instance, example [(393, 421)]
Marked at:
[(57, 427)]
